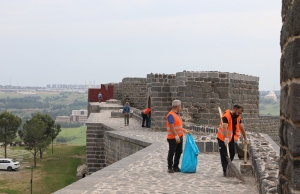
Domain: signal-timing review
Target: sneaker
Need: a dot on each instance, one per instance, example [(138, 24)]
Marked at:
[(170, 170), (176, 169), (224, 174)]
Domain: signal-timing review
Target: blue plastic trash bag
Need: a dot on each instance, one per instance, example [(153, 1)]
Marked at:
[(190, 154)]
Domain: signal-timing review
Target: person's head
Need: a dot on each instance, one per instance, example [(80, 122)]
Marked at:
[(237, 110), (176, 105), (127, 103)]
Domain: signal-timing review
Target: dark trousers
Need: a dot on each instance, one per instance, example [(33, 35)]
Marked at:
[(126, 118), (223, 152), (174, 149), (145, 118)]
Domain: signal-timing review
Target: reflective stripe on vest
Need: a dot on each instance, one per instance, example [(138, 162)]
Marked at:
[(177, 126)]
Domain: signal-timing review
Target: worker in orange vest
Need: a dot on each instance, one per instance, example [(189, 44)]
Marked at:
[(146, 114), (175, 136), (229, 132)]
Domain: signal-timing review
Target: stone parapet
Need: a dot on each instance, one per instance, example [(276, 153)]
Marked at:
[(264, 154)]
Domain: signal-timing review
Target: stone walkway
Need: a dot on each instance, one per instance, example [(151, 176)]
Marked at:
[(146, 170)]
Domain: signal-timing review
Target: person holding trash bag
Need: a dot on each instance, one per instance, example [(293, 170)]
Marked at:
[(190, 154), (175, 136), (228, 132)]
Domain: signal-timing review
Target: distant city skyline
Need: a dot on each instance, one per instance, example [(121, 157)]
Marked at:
[(45, 42)]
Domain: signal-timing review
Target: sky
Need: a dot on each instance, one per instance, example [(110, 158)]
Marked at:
[(78, 42)]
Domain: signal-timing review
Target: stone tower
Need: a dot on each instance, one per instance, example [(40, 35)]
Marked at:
[(289, 132)]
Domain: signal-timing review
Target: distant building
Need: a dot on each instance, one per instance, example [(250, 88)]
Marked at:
[(79, 115), (62, 119), (271, 96)]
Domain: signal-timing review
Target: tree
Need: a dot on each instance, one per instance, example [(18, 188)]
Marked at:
[(51, 132), (9, 124), (33, 135), (54, 133)]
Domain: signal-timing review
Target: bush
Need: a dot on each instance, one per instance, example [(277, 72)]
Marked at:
[(61, 139)]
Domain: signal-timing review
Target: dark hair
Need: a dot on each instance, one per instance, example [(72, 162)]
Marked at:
[(236, 106)]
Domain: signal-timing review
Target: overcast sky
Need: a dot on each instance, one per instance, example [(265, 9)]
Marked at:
[(77, 42)]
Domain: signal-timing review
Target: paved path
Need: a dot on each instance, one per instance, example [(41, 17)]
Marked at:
[(146, 170)]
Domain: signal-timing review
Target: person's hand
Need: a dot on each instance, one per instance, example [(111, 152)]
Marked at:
[(245, 141), (177, 139), (226, 140)]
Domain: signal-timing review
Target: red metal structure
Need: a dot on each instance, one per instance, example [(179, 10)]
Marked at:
[(107, 93)]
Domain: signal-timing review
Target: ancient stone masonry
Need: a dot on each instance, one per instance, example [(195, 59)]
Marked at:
[(117, 90), (289, 170), (270, 125), (104, 146), (118, 147), (95, 153), (159, 87), (134, 91), (200, 92)]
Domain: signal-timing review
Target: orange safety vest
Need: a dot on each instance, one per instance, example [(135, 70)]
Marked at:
[(220, 133), (177, 126), (147, 111)]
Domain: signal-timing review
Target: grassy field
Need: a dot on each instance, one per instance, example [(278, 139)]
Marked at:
[(43, 95), (269, 109), (52, 173), (79, 135)]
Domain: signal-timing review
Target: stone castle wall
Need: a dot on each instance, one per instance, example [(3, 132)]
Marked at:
[(270, 125), (118, 147), (117, 90), (289, 170), (105, 147), (159, 91), (134, 91), (201, 94)]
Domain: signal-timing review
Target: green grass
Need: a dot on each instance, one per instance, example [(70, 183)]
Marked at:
[(269, 109), (18, 95), (8, 191), (79, 134), (53, 171), (59, 168), (78, 141)]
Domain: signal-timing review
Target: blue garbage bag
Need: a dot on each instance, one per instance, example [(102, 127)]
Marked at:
[(190, 153)]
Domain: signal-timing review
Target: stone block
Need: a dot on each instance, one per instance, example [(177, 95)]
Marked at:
[(209, 147), (294, 100), (203, 74), (213, 74), (293, 139), (216, 147), (202, 121), (208, 115), (291, 66), (291, 26), (207, 90), (156, 89), (215, 79), (201, 146)]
